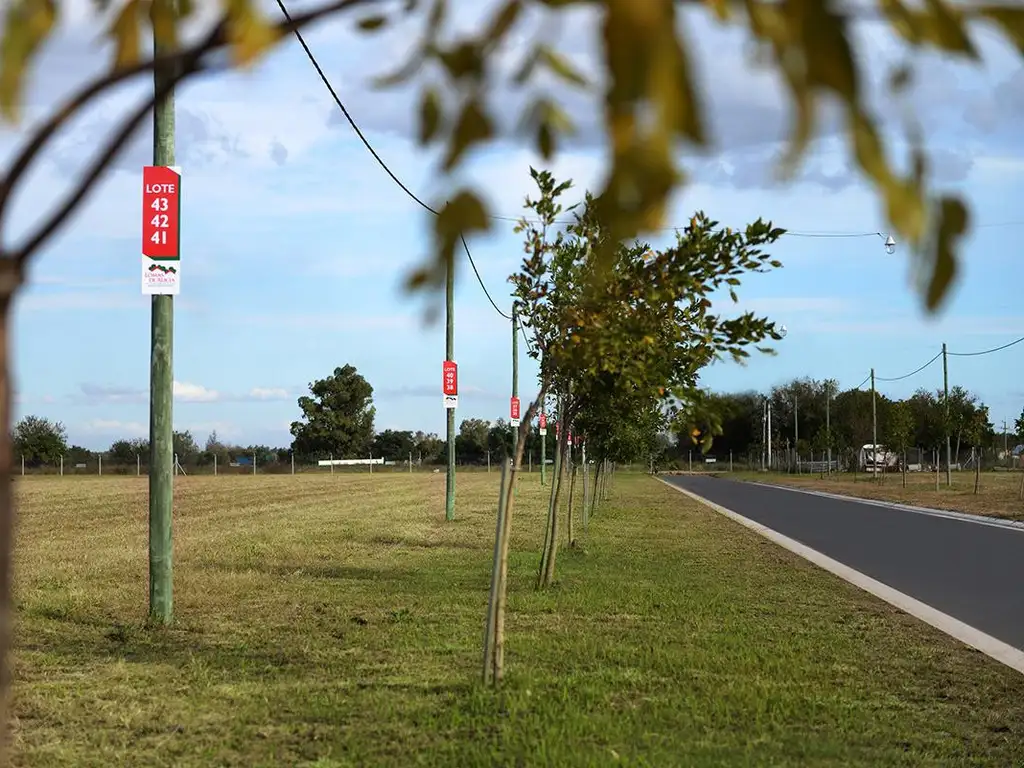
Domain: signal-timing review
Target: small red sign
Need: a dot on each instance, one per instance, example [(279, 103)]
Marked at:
[(568, 438), (543, 421), (451, 377), (161, 212), (557, 425), (514, 408)]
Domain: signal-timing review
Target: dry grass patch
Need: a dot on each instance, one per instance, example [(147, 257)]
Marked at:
[(336, 621), (998, 495)]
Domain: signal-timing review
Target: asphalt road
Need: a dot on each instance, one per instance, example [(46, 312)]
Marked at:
[(972, 572)]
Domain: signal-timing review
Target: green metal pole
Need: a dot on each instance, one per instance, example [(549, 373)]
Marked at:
[(449, 354), (161, 383), (515, 371)]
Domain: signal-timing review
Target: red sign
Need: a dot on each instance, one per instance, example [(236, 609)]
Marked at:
[(161, 211), (568, 438), (543, 421), (514, 409), (451, 377), (557, 425)]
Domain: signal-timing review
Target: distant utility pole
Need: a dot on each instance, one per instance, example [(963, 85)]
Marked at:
[(449, 354), (796, 431), (161, 380), (769, 434), (1006, 455), (874, 425), (828, 425), (515, 373), (945, 427)]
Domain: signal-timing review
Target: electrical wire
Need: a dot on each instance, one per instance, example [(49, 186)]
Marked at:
[(912, 373), (380, 161), (986, 351)]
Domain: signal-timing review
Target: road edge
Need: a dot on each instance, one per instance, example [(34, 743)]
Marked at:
[(975, 638), (963, 517)]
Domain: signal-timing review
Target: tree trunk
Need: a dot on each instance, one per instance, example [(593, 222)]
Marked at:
[(904, 469), (572, 493), (491, 630), (977, 470), (7, 291), (547, 575), (499, 571)]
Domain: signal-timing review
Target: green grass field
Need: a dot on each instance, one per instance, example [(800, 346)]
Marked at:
[(337, 621)]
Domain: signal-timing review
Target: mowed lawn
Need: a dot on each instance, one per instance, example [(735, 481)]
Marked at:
[(337, 621), (998, 493)]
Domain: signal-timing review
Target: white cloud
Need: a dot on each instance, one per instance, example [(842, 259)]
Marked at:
[(194, 393), (268, 393), (115, 427)]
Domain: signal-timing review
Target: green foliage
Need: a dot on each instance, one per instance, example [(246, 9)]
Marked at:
[(337, 417), (185, 446), (1018, 425), (393, 445), (616, 345), (39, 440), (899, 433), (126, 451)]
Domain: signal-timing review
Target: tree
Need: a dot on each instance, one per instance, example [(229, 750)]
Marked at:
[(185, 446), (974, 430), (128, 451), (39, 440), (393, 445), (1018, 425), (900, 432), (471, 442), (337, 417)]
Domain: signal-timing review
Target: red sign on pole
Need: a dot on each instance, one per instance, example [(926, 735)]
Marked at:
[(161, 209), (557, 431), (514, 409), (543, 424), (451, 377)]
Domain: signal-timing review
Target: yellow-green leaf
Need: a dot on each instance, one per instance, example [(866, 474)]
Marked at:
[(430, 115), (1010, 21), (952, 225), (163, 17), (503, 21), (127, 35), (372, 23), (27, 24), (561, 66), (946, 29), (249, 34), (473, 127), (462, 60)]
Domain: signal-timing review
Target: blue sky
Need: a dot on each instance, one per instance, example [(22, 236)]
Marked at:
[(295, 244)]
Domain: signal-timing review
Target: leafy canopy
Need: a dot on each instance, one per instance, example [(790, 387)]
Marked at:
[(613, 349), (337, 417), (653, 104), (39, 440)]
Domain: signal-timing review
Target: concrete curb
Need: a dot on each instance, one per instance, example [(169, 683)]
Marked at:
[(975, 638), (963, 517)]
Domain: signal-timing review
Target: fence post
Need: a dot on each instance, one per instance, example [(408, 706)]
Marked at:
[(332, 462), (99, 465), (730, 461), (138, 465), (689, 460), (62, 465), (293, 460), (215, 465), (410, 462), (254, 463), (23, 465)]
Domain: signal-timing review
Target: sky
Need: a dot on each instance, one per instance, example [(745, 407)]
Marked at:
[(295, 244)]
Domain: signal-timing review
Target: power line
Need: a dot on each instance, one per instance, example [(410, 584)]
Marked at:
[(380, 161), (912, 373), (986, 351)]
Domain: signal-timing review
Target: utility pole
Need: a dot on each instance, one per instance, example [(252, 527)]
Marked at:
[(796, 431), (945, 426), (449, 354), (874, 425), (515, 373), (769, 434), (828, 425), (161, 380), (1006, 455)]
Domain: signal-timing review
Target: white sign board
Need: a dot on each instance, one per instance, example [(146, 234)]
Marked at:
[(451, 401)]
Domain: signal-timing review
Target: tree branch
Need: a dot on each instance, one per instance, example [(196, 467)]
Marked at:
[(185, 63)]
